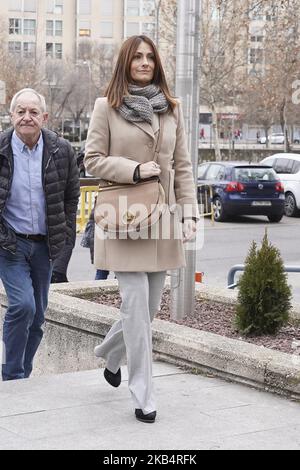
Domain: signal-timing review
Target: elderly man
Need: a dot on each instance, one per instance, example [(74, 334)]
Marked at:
[(39, 191)]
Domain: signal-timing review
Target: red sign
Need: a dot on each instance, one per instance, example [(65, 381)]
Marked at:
[(229, 117)]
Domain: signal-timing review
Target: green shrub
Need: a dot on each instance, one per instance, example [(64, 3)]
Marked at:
[(264, 299)]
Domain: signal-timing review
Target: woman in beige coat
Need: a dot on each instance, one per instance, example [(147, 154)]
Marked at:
[(122, 138)]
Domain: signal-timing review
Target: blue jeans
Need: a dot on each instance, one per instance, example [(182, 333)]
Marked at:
[(101, 275), (26, 278)]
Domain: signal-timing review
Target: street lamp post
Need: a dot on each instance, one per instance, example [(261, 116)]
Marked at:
[(187, 88)]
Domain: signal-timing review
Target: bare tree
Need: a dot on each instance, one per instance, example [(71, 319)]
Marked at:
[(164, 14), (71, 89), (261, 106), (267, 97), (282, 47), (166, 37), (18, 72), (223, 45)]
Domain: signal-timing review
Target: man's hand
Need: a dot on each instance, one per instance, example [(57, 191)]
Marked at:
[(189, 230)]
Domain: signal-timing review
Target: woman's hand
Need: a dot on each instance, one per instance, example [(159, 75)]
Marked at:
[(189, 230), (149, 169)]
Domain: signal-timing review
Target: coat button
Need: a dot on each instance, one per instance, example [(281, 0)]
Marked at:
[(150, 145)]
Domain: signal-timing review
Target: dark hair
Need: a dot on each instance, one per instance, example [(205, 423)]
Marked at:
[(121, 78)]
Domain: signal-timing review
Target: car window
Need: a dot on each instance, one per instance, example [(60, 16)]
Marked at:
[(296, 167), (284, 166), (268, 162), (213, 172), (247, 175), (221, 175), (201, 170)]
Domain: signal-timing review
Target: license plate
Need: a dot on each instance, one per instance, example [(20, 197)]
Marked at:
[(261, 203)]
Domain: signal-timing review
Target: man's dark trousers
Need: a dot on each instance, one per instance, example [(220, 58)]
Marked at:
[(26, 278)]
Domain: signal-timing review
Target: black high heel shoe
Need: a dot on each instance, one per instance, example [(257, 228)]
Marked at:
[(149, 418), (113, 379)]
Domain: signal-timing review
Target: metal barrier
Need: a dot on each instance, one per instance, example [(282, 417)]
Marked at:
[(86, 204), (241, 267), (205, 201)]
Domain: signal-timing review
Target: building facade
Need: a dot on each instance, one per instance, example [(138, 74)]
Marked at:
[(39, 29)]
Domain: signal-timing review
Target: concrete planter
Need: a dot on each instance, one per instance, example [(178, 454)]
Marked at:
[(75, 326)]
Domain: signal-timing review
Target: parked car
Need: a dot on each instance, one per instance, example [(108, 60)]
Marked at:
[(242, 189), (273, 139), (287, 167), (277, 139)]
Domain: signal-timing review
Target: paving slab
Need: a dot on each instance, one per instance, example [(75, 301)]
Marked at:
[(81, 411)]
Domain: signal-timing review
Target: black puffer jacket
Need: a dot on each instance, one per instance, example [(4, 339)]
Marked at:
[(61, 188)]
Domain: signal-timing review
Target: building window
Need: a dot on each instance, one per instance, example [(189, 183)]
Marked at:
[(133, 8), (15, 5), (29, 27), (58, 51), (107, 8), (54, 28), (58, 28), (29, 50), (84, 7), (49, 28), (49, 49), (22, 5), (149, 30), (106, 29), (14, 47), (256, 13), (148, 8), (132, 29), (84, 28), (54, 50), (256, 56), (84, 33), (30, 5), (55, 6), (59, 7), (15, 26), (257, 38)]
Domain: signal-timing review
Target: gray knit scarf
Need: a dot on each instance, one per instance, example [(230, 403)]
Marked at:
[(142, 103)]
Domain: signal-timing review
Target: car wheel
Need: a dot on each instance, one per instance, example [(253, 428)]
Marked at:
[(290, 205), (275, 218), (219, 213)]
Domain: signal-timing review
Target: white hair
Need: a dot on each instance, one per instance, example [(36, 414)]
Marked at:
[(41, 99)]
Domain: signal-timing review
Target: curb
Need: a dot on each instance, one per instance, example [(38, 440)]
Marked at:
[(199, 351)]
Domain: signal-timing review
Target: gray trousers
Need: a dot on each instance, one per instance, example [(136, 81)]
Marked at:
[(132, 336)]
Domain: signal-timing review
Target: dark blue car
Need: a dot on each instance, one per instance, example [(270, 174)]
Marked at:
[(242, 189)]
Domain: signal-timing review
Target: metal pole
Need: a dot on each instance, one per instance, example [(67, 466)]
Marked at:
[(187, 88), (157, 6)]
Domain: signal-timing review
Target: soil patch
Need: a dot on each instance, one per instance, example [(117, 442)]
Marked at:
[(216, 317)]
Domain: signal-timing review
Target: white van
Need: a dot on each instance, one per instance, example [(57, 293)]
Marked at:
[(287, 166)]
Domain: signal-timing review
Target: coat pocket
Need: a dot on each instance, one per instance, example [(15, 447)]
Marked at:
[(171, 192)]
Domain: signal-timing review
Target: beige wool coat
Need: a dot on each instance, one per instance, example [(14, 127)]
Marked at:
[(114, 148)]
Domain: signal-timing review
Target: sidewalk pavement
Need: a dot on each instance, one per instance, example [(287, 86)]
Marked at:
[(81, 411)]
